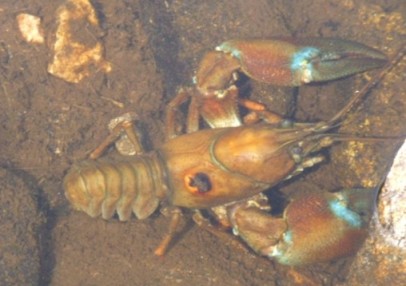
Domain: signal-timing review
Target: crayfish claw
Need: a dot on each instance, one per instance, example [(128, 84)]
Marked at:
[(315, 227), (294, 62)]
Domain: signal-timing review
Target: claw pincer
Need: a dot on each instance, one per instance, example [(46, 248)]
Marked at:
[(315, 227)]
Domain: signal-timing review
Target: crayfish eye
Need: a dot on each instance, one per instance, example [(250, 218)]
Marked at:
[(198, 183)]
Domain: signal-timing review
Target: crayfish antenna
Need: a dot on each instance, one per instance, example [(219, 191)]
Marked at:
[(348, 137)]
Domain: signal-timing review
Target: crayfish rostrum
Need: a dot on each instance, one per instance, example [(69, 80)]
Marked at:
[(212, 169)]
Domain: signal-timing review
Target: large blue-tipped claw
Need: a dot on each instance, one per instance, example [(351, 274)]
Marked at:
[(293, 62), (322, 59), (324, 227), (315, 227)]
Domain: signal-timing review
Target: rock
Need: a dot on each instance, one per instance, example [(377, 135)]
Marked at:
[(20, 221), (382, 260)]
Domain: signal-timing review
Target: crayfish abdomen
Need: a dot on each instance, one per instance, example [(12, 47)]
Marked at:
[(103, 187)]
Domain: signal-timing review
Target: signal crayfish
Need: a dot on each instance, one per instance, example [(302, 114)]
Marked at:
[(226, 168)]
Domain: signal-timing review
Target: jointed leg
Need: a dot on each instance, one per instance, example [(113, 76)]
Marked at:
[(125, 126), (171, 110), (193, 116), (176, 214), (202, 222), (258, 111)]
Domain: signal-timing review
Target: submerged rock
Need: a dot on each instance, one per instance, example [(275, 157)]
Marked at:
[(382, 260), (19, 225)]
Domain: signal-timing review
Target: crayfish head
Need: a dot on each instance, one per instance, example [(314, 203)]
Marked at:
[(256, 152), (268, 153), (217, 166)]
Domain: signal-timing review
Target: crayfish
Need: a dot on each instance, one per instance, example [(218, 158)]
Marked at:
[(221, 168)]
